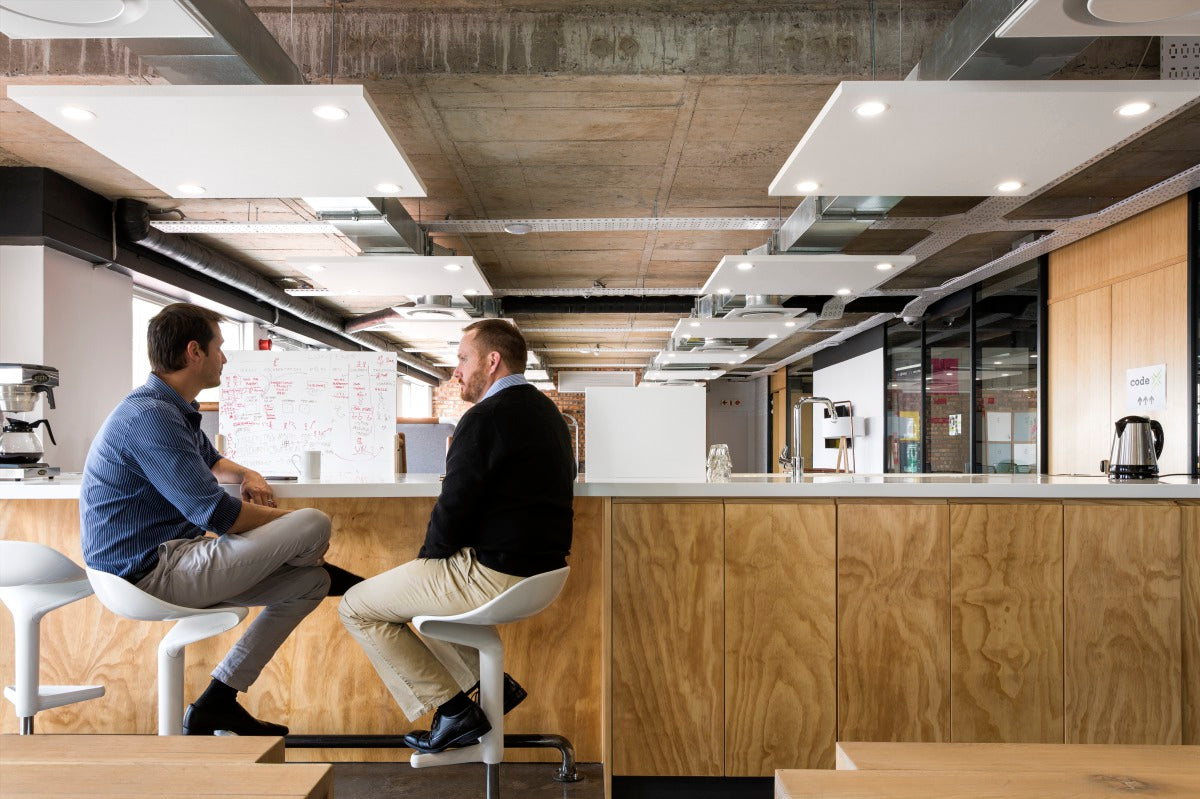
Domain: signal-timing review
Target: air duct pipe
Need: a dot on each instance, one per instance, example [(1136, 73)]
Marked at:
[(133, 222)]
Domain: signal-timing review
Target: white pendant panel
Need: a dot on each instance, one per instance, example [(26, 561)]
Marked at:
[(803, 274), (966, 138), (396, 275), (1036, 18), (235, 141), (98, 19), (725, 327)]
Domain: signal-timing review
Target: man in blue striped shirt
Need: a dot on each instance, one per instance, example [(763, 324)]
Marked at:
[(150, 491)]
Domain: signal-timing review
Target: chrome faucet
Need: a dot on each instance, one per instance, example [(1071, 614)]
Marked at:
[(797, 442)]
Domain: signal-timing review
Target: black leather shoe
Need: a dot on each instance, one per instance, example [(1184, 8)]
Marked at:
[(462, 730), (235, 720), (514, 694)]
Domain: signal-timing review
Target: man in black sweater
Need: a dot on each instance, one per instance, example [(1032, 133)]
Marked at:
[(504, 514)]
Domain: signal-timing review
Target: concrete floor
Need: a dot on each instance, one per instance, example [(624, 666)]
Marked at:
[(524, 780)]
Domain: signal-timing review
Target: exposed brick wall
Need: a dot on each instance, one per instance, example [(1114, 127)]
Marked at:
[(447, 401)]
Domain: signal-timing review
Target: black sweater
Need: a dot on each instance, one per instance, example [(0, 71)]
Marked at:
[(508, 488)]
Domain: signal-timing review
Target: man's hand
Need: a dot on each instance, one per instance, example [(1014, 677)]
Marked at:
[(256, 491)]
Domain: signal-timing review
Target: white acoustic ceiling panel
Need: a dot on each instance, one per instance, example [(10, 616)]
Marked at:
[(579, 382), (1036, 18), (832, 273), (98, 19), (725, 327), (699, 356), (235, 141), (658, 375), (967, 138), (396, 275)]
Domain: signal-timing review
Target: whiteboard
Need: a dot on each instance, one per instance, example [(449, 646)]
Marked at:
[(277, 404)]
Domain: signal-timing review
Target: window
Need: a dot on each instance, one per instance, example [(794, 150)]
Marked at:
[(414, 399), (145, 307)]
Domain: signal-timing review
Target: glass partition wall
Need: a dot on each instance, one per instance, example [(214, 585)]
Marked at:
[(962, 384)]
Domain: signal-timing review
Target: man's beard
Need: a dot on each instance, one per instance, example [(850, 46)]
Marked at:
[(473, 391)]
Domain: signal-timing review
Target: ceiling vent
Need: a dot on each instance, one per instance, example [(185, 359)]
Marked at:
[(722, 345), (432, 307), (578, 382), (763, 307)]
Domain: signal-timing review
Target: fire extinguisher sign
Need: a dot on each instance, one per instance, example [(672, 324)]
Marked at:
[(1146, 388)]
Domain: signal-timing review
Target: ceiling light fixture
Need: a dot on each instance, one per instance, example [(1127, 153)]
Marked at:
[(1134, 109), (843, 292), (789, 324), (871, 108), (190, 189), (772, 335), (693, 324), (469, 292), (452, 267), (518, 228), (884, 267), (316, 268), (1009, 185), (723, 290), (807, 186), (745, 266), (331, 112), (387, 188), (76, 113)]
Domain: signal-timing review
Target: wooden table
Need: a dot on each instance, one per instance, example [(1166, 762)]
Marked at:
[(127, 749), (155, 780), (1019, 757), (948, 784)]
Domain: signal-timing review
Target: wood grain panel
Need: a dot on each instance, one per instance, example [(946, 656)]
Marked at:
[(668, 674), (1122, 623), (1008, 756), (1006, 622), (320, 681), (893, 622), (1148, 241), (780, 637), (1149, 326), (210, 749), (261, 780), (1190, 549), (1081, 423)]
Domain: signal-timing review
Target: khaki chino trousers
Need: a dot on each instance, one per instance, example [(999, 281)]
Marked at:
[(421, 673)]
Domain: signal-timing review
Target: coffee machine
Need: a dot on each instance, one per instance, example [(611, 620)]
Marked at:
[(21, 387)]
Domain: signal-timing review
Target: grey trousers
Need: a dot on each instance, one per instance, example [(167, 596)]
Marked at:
[(421, 673), (273, 566)]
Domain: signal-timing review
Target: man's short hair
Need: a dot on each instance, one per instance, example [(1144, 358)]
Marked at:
[(496, 335), (170, 331)]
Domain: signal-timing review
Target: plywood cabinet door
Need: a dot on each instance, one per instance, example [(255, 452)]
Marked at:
[(668, 659), (780, 637), (1191, 622), (1006, 622), (893, 621), (1122, 599)]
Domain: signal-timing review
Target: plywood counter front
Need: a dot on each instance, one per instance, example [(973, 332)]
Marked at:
[(733, 629)]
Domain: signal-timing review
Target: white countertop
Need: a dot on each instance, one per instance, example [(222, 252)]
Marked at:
[(896, 486)]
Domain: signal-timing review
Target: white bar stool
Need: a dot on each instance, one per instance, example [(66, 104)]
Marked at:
[(34, 580), (476, 629), (191, 625)]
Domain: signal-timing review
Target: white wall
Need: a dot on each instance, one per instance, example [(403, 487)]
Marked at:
[(859, 380), (737, 416), (77, 319)]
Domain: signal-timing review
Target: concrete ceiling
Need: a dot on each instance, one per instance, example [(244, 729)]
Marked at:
[(541, 109)]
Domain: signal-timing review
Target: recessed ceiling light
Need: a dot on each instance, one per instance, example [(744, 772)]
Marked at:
[(883, 267), (789, 324), (745, 266), (452, 267), (387, 188), (316, 268), (1134, 109), (670, 355), (76, 113), (518, 228), (723, 290), (1009, 185), (732, 363), (331, 112), (871, 108), (772, 335), (469, 292), (192, 189), (693, 324), (843, 292), (807, 186)]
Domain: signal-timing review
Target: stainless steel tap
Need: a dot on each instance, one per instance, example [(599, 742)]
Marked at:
[(797, 436)]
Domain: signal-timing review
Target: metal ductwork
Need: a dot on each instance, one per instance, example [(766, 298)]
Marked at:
[(828, 224), (375, 224), (241, 51), (133, 222)]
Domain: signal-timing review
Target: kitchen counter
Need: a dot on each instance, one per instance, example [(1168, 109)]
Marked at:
[(898, 486)]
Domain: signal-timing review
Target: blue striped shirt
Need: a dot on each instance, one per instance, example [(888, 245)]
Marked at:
[(147, 480), (508, 381)]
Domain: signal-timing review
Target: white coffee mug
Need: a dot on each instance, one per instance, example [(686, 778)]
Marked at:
[(308, 463)]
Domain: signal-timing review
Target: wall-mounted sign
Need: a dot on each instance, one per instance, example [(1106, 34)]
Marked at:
[(1146, 388)]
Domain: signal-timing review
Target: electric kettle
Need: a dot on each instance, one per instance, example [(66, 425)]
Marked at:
[(1137, 443), (18, 442)]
